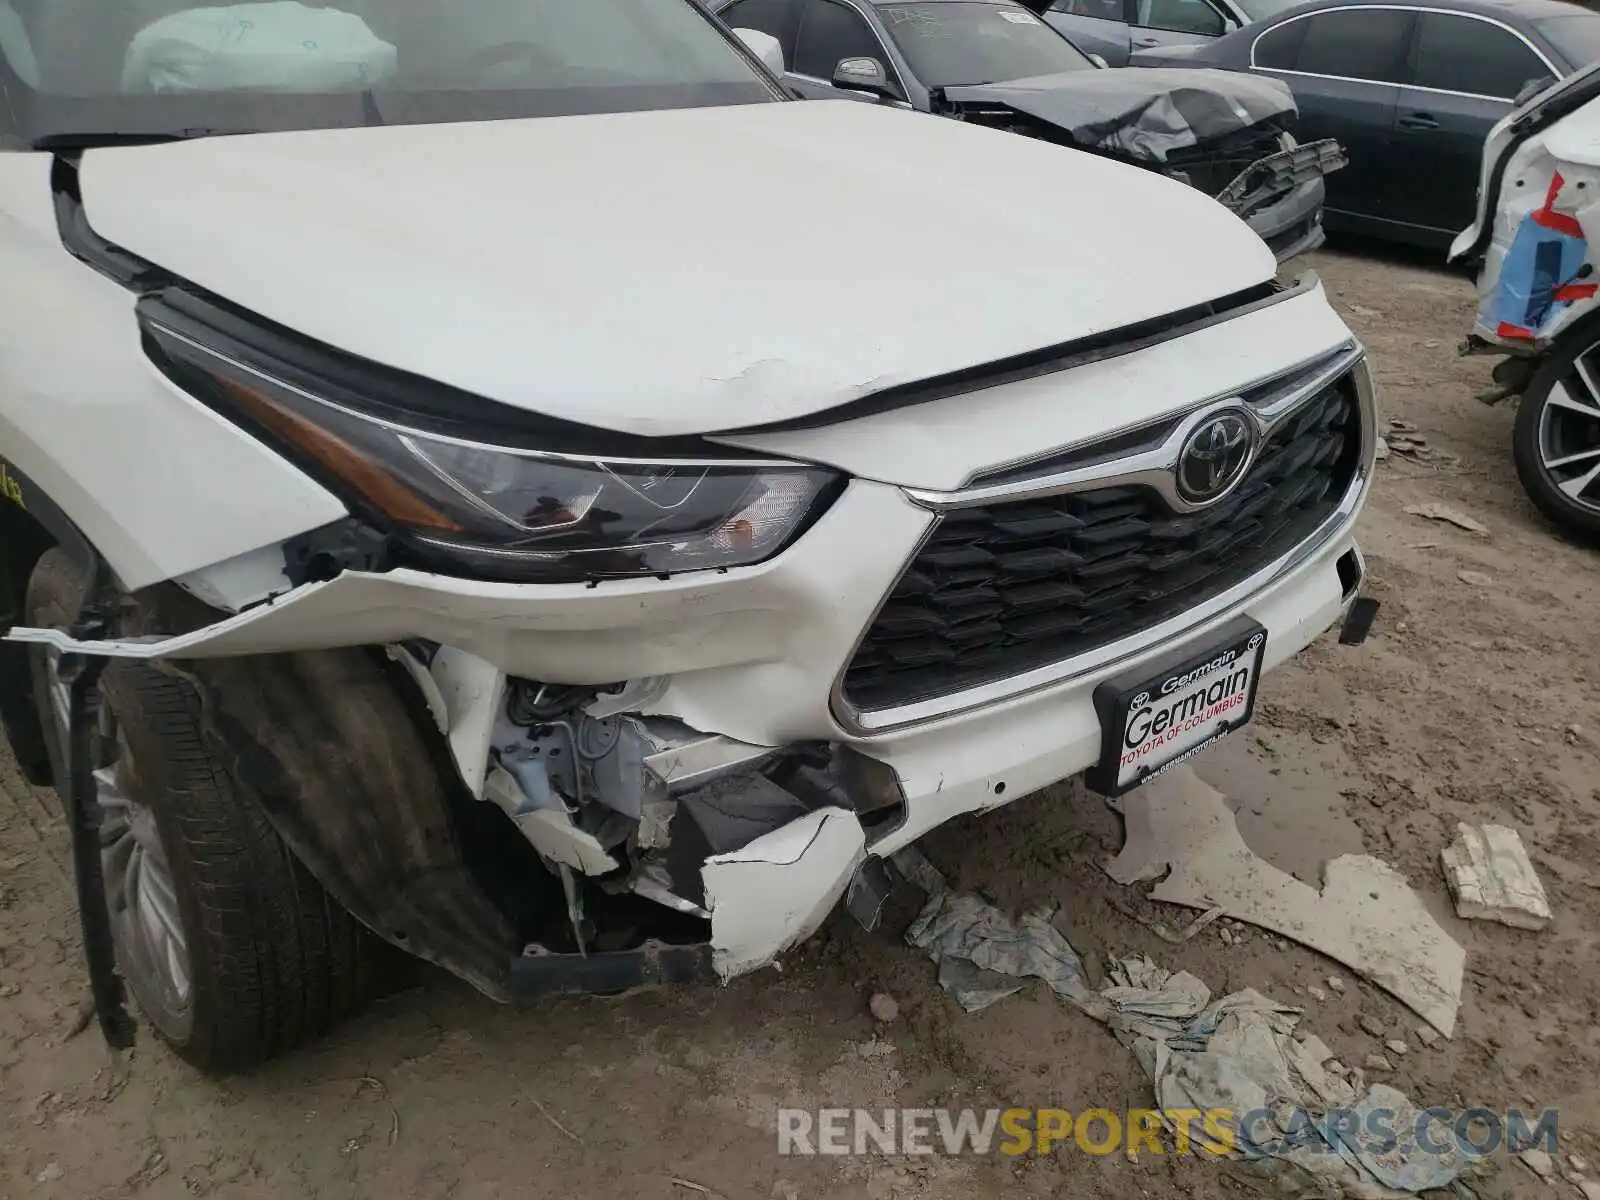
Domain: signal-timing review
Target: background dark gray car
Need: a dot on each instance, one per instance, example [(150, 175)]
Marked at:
[(1114, 29), (996, 63), (1410, 88)]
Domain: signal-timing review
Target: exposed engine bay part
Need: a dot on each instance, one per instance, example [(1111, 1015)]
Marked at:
[(596, 797), (550, 831), (480, 711), (756, 844), (721, 818), (621, 763)]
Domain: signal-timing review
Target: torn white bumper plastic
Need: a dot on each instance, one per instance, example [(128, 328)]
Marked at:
[(778, 890)]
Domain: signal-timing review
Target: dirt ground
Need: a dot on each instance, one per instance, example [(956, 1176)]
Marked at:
[(1478, 698)]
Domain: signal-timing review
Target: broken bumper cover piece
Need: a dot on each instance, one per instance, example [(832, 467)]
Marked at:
[(780, 888), (765, 898), (1263, 181), (1281, 197)]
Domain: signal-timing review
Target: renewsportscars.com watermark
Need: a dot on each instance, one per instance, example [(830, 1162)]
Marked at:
[(1472, 1132)]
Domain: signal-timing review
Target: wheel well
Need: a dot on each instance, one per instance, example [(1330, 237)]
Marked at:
[(22, 540)]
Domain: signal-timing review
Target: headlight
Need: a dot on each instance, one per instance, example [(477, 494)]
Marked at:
[(505, 512)]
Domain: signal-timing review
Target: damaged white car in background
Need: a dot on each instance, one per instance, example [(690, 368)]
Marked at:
[(548, 572), (1538, 213)]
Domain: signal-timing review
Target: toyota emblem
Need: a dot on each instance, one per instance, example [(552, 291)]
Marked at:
[(1216, 456)]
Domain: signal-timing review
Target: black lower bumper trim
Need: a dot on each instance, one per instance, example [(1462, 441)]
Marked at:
[(1358, 622), (544, 974)]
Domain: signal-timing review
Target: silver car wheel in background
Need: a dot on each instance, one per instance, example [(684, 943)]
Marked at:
[(1569, 433)]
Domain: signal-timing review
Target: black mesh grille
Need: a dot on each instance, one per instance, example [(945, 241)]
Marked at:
[(1006, 588)]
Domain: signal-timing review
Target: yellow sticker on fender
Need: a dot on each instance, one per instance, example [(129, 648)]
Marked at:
[(9, 487)]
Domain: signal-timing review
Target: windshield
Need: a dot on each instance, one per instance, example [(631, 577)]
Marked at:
[(1577, 37), (159, 67), (955, 44)]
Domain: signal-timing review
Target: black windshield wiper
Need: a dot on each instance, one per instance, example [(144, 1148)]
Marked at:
[(91, 139)]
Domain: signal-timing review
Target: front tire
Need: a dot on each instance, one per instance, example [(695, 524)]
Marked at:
[(1556, 439), (232, 951)]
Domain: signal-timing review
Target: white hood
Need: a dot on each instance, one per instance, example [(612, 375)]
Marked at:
[(675, 272)]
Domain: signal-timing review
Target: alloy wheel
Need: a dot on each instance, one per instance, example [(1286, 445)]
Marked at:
[(152, 947), (1569, 433)]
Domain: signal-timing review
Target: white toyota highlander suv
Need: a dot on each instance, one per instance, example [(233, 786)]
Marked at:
[(503, 480)]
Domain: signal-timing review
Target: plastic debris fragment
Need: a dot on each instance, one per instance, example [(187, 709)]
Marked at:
[(1492, 878)]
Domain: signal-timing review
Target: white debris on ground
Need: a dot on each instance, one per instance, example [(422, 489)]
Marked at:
[(1241, 1053), (1151, 1002), (1538, 1162), (1492, 878), (1450, 516), (983, 955), (1366, 915)]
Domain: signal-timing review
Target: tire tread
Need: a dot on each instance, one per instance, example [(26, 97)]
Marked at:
[(275, 961)]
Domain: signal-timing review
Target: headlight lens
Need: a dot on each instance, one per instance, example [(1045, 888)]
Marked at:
[(510, 513)]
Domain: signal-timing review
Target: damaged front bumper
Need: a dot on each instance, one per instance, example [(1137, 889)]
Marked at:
[(679, 757), (1281, 196), (753, 845)]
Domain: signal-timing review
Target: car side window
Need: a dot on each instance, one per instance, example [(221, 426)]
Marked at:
[(1365, 43), (1279, 49), (1102, 10), (775, 17), (16, 48), (830, 31), (1462, 54), (1181, 16)]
